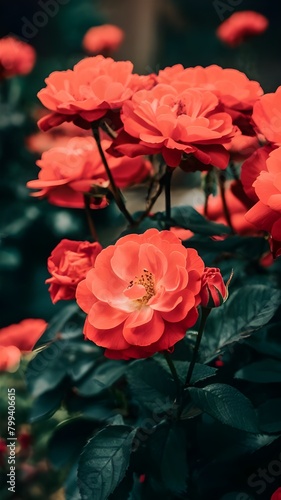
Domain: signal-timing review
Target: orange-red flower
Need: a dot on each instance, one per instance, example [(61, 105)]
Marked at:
[(68, 264), (17, 339), (141, 295), (267, 116), (95, 86), (69, 171), (233, 88), (240, 26), (214, 291), (266, 213), (175, 124), (276, 495), (252, 167), (16, 57), (103, 39), (58, 136)]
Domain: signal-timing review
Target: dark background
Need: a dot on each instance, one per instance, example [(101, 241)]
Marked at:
[(158, 33)]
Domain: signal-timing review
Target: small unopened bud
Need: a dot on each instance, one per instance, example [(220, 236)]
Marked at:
[(214, 291)]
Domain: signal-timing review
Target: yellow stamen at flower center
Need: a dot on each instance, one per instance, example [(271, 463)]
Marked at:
[(141, 289)]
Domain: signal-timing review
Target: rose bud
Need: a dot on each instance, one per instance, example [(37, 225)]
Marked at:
[(214, 291)]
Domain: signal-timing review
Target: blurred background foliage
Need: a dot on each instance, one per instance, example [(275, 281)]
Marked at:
[(158, 33)]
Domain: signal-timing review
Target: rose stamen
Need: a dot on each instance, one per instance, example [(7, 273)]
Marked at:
[(147, 281)]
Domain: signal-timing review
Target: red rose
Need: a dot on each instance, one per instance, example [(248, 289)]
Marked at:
[(276, 495), (67, 172), (68, 264), (214, 292), (240, 26), (141, 295), (18, 338), (103, 39), (266, 213), (87, 93), (267, 116), (56, 137), (233, 88), (251, 169), (16, 57), (162, 120)]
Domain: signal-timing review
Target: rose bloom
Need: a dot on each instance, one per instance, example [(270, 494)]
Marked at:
[(16, 57), (68, 264), (58, 136), (163, 121), (103, 39), (276, 495), (94, 87), (266, 213), (236, 93), (17, 339), (240, 26), (233, 88), (69, 171), (267, 116), (214, 292), (141, 295)]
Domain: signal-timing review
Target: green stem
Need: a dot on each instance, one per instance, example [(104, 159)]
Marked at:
[(224, 203), (173, 372), (168, 178), (204, 316), (206, 205), (87, 204), (115, 191)]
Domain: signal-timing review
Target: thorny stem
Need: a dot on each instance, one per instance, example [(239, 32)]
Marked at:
[(205, 314), (168, 177), (224, 203), (173, 371), (206, 205), (115, 191), (161, 183), (87, 204)]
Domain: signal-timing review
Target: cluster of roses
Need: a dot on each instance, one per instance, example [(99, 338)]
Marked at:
[(142, 293), (196, 118)]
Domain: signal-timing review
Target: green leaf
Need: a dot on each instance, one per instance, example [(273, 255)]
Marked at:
[(58, 323), (269, 416), (68, 440), (104, 461), (102, 377), (245, 311), (47, 369), (189, 218), (267, 341), (151, 385), (200, 372), (46, 405), (226, 404), (167, 449), (248, 248), (267, 371)]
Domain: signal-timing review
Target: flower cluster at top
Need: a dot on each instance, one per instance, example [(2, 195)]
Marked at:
[(141, 294)]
